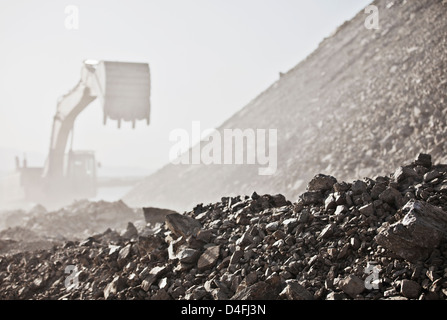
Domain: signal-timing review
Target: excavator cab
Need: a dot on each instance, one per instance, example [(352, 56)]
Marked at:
[(81, 173)]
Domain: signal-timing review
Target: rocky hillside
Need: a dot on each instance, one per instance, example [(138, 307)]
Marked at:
[(362, 103), (382, 238)]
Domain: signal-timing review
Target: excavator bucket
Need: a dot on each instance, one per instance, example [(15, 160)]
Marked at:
[(124, 90)]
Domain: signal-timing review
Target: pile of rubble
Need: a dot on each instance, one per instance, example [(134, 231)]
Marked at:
[(18, 239), (381, 238), (73, 222), (37, 228)]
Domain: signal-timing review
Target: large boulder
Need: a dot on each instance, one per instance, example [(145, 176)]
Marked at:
[(352, 286), (156, 215), (262, 290), (417, 234), (181, 225), (209, 258), (295, 291), (321, 182)]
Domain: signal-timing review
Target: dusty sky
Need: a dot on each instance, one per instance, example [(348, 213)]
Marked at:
[(208, 59)]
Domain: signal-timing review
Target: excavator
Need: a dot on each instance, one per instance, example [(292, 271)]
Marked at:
[(123, 89)]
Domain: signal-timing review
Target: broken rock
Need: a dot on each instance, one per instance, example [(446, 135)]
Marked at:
[(295, 291), (154, 274), (311, 197), (188, 255), (352, 285), (410, 289), (130, 232), (417, 234), (262, 290), (367, 210), (181, 225), (321, 182), (123, 255), (358, 187), (208, 258), (423, 160), (117, 284), (391, 196), (156, 215)]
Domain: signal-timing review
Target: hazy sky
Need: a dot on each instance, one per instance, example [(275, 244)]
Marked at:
[(208, 59)]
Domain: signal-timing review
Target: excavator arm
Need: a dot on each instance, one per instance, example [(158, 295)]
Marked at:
[(123, 89), (68, 109)]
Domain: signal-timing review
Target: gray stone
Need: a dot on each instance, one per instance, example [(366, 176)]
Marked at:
[(161, 294), (321, 182), (358, 187), (188, 255), (279, 200), (403, 173), (85, 243), (423, 160), (429, 176), (417, 234), (355, 243), (153, 275), (343, 251), (326, 232), (118, 283), (156, 215), (289, 224), (341, 186), (257, 291), (131, 231), (295, 291), (262, 290), (150, 243), (352, 286), (219, 294), (209, 258), (367, 210), (410, 289), (236, 256), (143, 274), (330, 202), (279, 234), (340, 210), (195, 293), (181, 225), (163, 283), (245, 239), (311, 197), (204, 235), (392, 196), (124, 255), (272, 226), (377, 189), (175, 246), (303, 216), (340, 198)]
